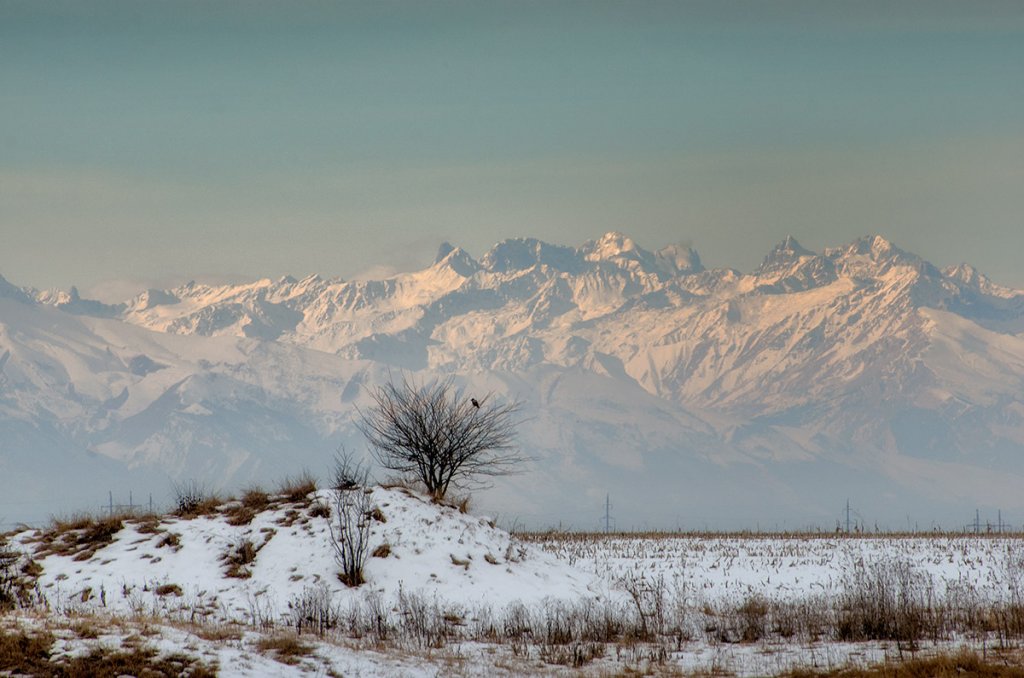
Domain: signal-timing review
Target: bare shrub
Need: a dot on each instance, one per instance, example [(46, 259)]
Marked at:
[(437, 434), (192, 499), (8, 576), (649, 601), (422, 621), (313, 610), (348, 472), (889, 601), (753, 616), (350, 532)]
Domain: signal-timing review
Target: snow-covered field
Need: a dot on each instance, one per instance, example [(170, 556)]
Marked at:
[(449, 593)]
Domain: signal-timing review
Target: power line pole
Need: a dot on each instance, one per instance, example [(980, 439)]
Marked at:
[(607, 513), (847, 515)]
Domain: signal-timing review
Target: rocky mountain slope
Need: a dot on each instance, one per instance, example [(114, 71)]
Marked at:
[(695, 397)]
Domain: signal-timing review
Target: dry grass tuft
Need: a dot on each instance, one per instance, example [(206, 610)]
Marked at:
[(319, 509), (285, 648), (253, 501), (238, 557), (79, 536), (168, 589), (297, 489), (382, 551), (171, 540)]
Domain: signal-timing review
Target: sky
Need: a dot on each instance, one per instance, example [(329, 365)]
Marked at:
[(149, 143)]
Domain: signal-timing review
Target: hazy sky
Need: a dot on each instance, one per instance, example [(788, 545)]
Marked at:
[(153, 142)]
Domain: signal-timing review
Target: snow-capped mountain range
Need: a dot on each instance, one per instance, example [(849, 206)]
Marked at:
[(695, 397)]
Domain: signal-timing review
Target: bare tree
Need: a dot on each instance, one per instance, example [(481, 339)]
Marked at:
[(437, 434)]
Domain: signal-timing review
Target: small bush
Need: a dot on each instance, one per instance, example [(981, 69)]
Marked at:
[(350, 533), (191, 500)]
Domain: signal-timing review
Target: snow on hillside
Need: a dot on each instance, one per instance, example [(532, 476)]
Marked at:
[(749, 605), (181, 568)]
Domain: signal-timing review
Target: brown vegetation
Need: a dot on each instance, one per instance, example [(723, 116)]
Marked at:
[(24, 653), (962, 665), (285, 648)]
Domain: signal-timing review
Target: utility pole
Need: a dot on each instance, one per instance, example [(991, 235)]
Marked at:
[(607, 513), (847, 515), (977, 521), (110, 500)]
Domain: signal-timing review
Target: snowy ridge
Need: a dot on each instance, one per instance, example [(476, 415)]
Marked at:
[(863, 367), (433, 550)]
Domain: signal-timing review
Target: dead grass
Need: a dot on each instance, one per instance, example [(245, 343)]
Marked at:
[(79, 536), (171, 540), (253, 501), (238, 557), (319, 509), (24, 653), (168, 589), (298, 488), (962, 665), (285, 648)]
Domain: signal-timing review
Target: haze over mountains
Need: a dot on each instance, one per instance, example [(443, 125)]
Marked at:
[(695, 397)]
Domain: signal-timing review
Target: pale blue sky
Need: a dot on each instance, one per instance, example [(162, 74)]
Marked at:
[(156, 142)]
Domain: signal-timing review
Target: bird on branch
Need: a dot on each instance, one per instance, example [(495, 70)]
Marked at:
[(474, 402)]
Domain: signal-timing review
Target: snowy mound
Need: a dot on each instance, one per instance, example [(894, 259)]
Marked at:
[(242, 565)]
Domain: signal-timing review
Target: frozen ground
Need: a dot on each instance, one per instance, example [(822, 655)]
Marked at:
[(448, 593), (726, 568)]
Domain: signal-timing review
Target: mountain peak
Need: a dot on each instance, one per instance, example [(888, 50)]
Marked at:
[(9, 291), (676, 259), (520, 254), (443, 251), (456, 259), (784, 255), (611, 244)]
